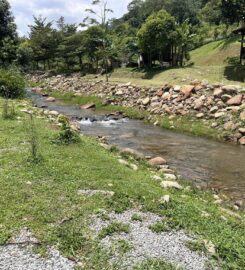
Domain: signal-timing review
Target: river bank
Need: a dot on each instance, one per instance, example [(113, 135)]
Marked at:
[(215, 111), (71, 197), (204, 162)]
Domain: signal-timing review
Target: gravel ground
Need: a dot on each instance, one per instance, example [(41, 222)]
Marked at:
[(18, 255), (168, 246)]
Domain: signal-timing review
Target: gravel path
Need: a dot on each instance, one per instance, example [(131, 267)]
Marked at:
[(18, 255), (168, 246)]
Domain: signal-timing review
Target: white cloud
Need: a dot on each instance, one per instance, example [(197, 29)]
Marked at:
[(73, 11)]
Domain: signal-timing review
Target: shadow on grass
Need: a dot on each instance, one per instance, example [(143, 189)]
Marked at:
[(235, 73), (230, 40), (150, 73)]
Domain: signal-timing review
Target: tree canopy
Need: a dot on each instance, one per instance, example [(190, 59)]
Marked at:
[(156, 30)]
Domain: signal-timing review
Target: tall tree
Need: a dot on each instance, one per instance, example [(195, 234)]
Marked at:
[(43, 40), (233, 10), (211, 12), (157, 33), (99, 15), (8, 33)]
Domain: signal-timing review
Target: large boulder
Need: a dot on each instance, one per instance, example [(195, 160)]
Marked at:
[(214, 109), (236, 100), (218, 92), (171, 184), (242, 116), (88, 106), (146, 101), (198, 104), (186, 90), (219, 114), (50, 99), (242, 140), (157, 161), (242, 130), (229, 126), (230, 89)]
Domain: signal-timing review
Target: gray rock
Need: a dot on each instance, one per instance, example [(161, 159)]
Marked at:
[(171, 184)]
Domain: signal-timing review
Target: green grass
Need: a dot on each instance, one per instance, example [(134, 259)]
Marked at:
[(216, 53), (114, 228), (42, 195), (216, 62)]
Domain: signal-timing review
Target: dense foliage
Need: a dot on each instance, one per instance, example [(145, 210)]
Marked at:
[(7, 34), (12, 84), (153, 31)]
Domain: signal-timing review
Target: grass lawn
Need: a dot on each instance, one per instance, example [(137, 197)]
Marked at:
[(213, 62), (44, 197), (178, 76)]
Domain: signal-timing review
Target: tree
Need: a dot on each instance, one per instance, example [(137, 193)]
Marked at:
[(7, 25), (24, 54), (211, 12), (43, 40), (184, 41), (157, 33), (135, 15), (99, 16), (8, 33), (72, 48), (93, 40), (66, 29), (8, 51), (233, 10), (125, 42)]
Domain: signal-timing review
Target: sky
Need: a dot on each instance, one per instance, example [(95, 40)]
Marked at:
[(73, 11)]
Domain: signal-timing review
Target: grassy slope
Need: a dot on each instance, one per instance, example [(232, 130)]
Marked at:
[(41, 196), (210, 62)]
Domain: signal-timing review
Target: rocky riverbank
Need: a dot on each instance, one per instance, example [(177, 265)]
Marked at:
[(221, 107)]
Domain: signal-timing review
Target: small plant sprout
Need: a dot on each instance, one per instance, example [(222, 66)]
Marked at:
[(35, 157), (7, 112)]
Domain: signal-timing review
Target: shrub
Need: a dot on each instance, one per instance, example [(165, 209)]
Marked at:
[(66, 135), (12, 84)]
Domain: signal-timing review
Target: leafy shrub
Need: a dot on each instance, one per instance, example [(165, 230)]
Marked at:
[(12, 84), (66, 135)]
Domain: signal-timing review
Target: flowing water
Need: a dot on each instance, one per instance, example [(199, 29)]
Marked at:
[(202, 161)]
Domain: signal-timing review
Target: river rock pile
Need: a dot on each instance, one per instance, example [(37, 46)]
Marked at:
[(222, 106)]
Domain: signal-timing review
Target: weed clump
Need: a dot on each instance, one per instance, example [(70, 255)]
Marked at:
[(35, 157), (114, 228), (67, 135)]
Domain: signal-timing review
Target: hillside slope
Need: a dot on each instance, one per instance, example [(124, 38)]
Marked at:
[(215, 62), (217, 52)]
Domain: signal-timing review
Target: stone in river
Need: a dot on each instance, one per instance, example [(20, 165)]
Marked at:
[(157, 161), (88, 106), (50, 99), (242, 140)]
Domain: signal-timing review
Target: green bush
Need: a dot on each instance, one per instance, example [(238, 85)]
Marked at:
[(66, 135), (12, 84)]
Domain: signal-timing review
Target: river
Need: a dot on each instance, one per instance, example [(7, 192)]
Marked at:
[(202, 161)]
